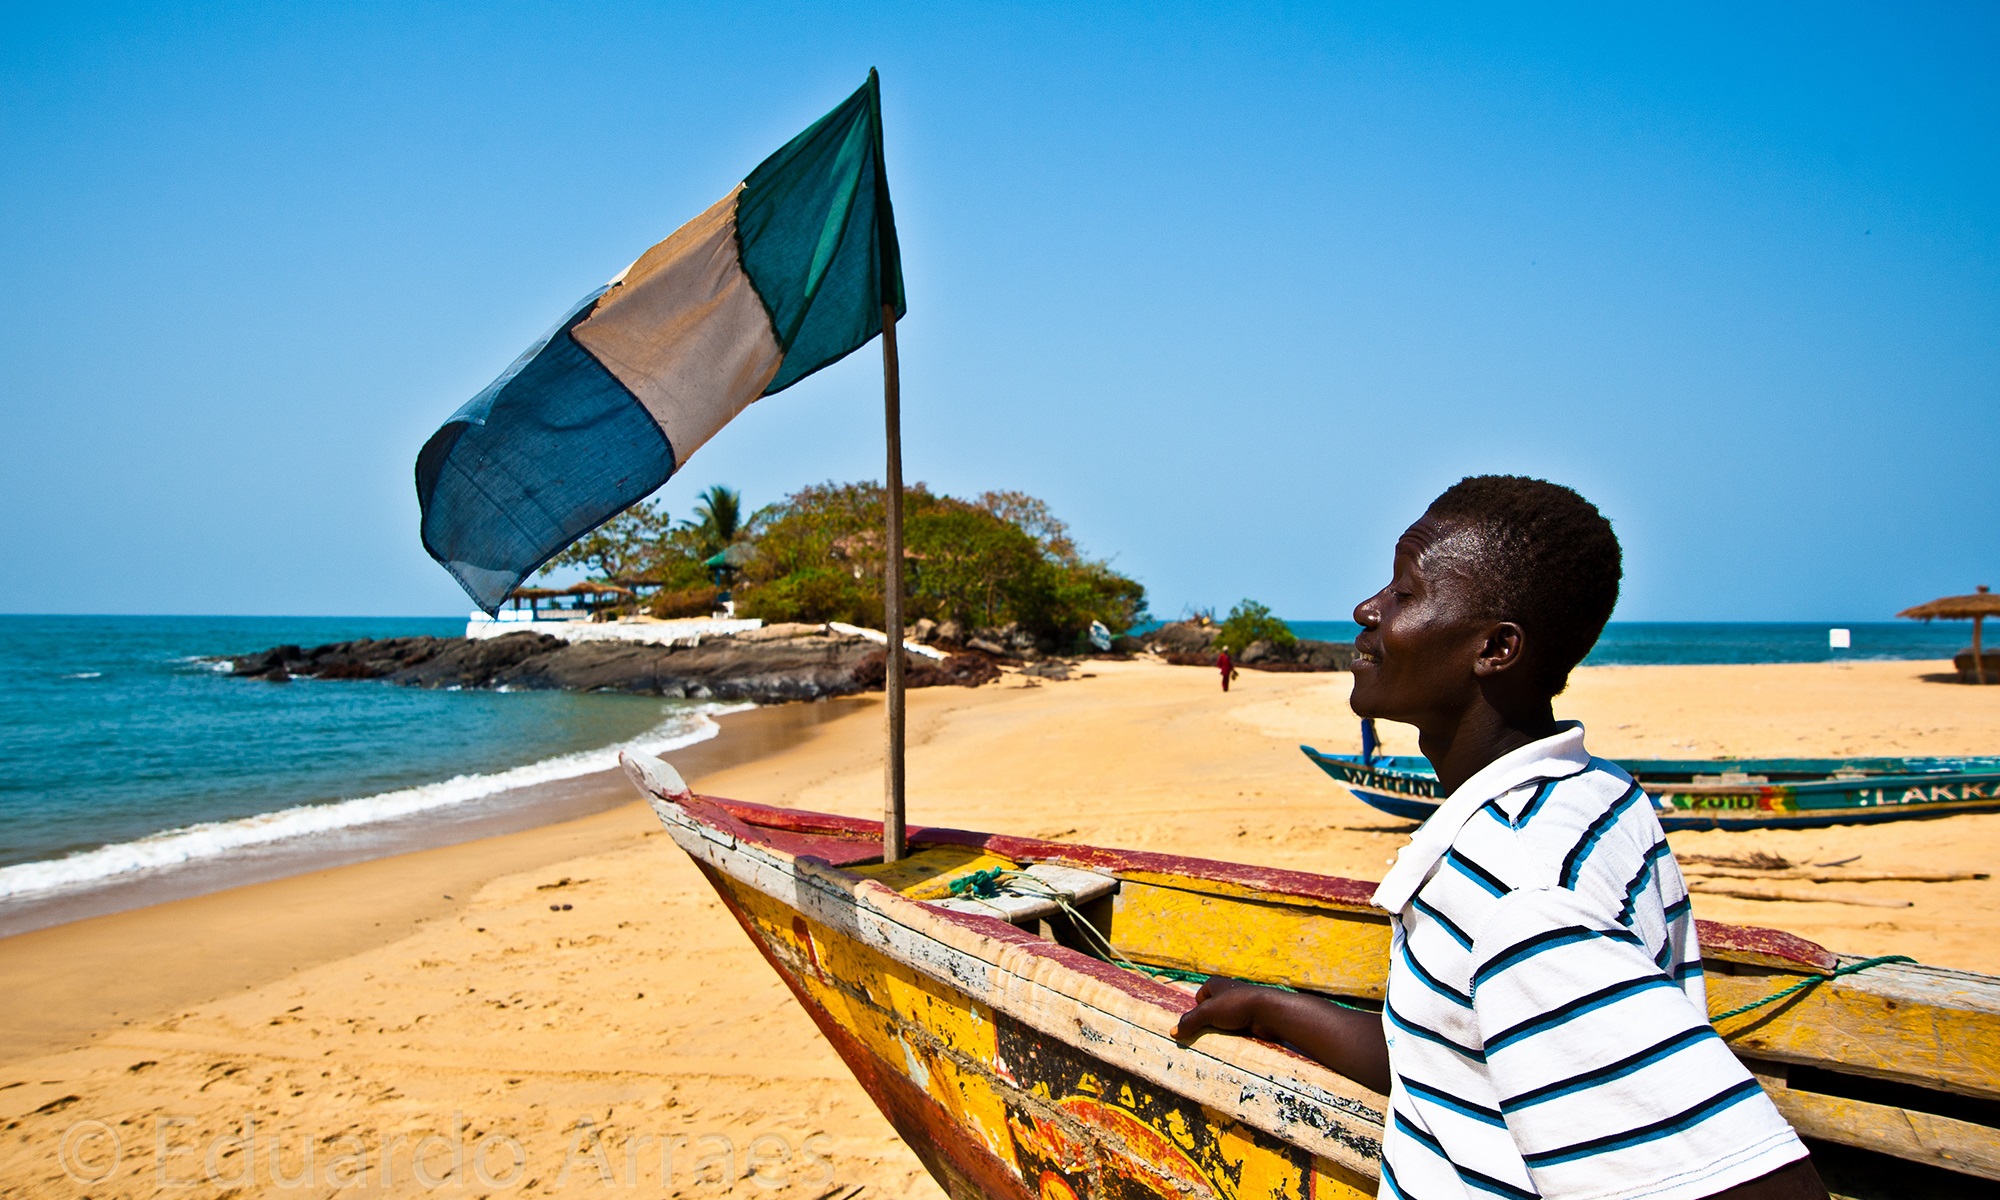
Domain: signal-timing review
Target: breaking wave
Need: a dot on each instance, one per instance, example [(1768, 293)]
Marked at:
[(210, 840)]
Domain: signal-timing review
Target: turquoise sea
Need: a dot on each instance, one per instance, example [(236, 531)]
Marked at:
[(126, 754), (123, 753), (1635, 643)]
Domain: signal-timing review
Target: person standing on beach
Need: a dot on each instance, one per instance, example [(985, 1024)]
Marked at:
[(1545, 1032), (1227, 667)]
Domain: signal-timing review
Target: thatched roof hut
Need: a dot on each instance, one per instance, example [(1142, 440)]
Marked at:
[(589, 592), (1975, 608)]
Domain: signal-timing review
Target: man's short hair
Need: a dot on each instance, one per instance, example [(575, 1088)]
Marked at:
[(1544, 558)]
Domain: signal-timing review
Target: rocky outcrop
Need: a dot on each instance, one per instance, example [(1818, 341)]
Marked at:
[(1301, 655), (1192, 644), (765, 666), (1183, 637), (959, 670)]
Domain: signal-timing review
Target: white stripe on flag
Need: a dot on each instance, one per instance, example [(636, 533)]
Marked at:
[(684, 329)]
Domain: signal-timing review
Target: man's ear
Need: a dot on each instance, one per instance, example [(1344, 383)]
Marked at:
[(1505, 645)]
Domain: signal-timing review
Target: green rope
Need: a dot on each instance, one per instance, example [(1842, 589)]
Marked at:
[(982, 885), (1810, 981), (986, 885), (1173, 973)]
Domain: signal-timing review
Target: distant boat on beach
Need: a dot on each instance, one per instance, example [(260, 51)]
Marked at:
[(1738, 793), (1009, 1003)]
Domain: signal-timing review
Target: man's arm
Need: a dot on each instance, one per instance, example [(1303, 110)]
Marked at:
[(1351, 1043), (1342, 1039)]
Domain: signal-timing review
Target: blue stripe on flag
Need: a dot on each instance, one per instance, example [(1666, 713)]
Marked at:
[(549, 451)]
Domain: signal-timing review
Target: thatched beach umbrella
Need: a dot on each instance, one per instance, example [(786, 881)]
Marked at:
[(533, 595), (1976, 608)]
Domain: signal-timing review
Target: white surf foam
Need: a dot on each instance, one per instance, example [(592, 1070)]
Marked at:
[(209, 840)]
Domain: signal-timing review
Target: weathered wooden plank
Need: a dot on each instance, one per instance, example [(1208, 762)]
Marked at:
[(1321, 947), (1916, 1136), (1927, 1026)]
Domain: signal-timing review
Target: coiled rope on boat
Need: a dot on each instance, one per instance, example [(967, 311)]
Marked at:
[(987, 884)]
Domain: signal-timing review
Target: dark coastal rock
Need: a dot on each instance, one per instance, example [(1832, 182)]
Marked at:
[(1192, 644), (1009, 641), (957, 670), (766, 666), (1184, 637), (1304, 655), (1256, 652)]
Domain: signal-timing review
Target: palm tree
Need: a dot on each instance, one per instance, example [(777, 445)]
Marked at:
[(718, 514)]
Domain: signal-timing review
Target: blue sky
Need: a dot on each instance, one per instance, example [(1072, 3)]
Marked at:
[(1236, 288)]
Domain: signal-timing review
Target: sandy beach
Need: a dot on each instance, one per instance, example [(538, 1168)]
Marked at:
[(568, 1010)]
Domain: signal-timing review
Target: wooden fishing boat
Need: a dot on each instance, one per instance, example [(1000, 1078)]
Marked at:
[(1743, 793), (1009, 1003)]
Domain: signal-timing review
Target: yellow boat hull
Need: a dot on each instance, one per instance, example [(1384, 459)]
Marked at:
[(1016, 1065)]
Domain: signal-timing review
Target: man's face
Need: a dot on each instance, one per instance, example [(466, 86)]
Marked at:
[(1420, 635)]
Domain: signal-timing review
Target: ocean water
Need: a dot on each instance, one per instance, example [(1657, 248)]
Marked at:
[(122, 753), (1634, 643), (126, 755)]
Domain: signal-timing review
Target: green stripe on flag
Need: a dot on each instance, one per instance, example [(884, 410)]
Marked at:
[(817, 238)]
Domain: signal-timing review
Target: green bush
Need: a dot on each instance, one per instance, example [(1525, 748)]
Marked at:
[(1001, 559), (817, 555), (1250, 622)]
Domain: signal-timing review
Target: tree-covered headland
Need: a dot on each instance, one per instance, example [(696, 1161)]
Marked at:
[(1003, 559)]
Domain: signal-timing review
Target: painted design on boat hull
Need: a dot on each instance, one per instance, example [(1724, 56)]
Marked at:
[(995, 1108), (1406, 788)]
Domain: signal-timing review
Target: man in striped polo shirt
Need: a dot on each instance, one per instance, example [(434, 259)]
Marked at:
[(1546, 1032)]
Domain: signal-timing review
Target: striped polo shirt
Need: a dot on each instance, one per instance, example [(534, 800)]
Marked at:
[(1547, 1025)]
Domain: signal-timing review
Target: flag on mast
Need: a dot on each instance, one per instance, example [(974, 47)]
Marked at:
[(786, 274)]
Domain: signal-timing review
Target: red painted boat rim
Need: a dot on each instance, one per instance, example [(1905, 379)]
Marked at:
[(804, 831)]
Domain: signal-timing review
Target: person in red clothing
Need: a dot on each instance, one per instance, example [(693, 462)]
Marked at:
[(1228, 668)]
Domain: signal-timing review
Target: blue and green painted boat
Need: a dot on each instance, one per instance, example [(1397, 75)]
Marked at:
[(1741, 793)]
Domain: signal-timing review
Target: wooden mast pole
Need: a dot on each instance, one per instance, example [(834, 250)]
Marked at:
[(1978, 655), (892, 599)]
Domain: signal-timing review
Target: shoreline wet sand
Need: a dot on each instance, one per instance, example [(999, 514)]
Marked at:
[(585, 989), (741, 736), (70, 974)]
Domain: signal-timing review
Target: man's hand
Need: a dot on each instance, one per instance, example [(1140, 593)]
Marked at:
[(1230, 1005), (1343, 1039)]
